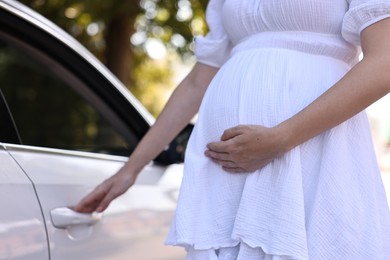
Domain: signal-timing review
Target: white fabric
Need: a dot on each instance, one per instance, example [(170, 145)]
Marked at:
[(324, 199)]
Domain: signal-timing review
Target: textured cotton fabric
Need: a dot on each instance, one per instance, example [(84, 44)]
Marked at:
[(322, 200)]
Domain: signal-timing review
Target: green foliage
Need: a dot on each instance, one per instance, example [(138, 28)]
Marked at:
[(171, 24), (153, 83)]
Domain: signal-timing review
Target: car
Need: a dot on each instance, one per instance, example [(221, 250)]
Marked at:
[(66, 124)]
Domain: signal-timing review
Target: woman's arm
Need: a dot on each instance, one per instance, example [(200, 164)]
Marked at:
[(181, 107), (247, 148)]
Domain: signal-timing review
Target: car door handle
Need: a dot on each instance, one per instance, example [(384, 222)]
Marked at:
[(64, 217)]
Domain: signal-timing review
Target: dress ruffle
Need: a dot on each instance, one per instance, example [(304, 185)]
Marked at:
[(240, 252)]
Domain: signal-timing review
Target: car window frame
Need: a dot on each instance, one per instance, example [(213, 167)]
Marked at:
[(74, 83), (27, 26)]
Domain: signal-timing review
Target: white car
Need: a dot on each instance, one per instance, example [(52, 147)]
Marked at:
[(66, 124)]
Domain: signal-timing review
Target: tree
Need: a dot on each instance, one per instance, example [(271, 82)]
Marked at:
[(126, 35)]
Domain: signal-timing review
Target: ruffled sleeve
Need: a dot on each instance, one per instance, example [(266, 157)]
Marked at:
[(215, 47), (360, 15)]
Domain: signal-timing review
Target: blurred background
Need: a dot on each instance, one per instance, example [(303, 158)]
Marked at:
[(148, 45)]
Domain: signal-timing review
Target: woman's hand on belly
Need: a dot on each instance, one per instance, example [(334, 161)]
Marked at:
[(246, 148)]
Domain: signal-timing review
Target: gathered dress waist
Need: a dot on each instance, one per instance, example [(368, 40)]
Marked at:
[(331, 45)]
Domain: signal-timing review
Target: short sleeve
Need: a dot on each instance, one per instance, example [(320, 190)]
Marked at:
[(215, 47), (360, 15)]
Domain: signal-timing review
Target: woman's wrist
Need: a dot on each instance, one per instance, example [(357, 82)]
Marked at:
[(285, 136), (133, 167)]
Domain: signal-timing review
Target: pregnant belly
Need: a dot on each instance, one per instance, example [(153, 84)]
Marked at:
[(266, 86)]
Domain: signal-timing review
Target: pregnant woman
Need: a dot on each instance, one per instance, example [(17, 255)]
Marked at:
[(280, 164)]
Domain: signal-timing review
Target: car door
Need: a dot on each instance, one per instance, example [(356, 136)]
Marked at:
[(22, 227), (75, 127), (133, 226)]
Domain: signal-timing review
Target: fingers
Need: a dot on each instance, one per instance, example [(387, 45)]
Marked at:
[(99, 199), (224, 163), (234, 169), (87, 206), (231, 133), (107, 200), (220, 156), (94, 202), (227, 139), (218, 153), (224, 160), (240, 149), (91, 202), (217, 147)]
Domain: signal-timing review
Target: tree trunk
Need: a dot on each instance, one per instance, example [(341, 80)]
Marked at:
[(119, 56)]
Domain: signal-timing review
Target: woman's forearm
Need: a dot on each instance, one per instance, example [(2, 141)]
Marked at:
[(180, 108), (246, 148), (364, 84)]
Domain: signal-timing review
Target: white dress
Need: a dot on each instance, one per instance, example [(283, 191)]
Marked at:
[(324, 199)]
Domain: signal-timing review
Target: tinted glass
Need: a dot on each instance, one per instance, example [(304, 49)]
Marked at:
[(48, 110)]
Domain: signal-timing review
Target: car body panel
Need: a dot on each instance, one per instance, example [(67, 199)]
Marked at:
[(135, 225), (22, 228), (135, 220)]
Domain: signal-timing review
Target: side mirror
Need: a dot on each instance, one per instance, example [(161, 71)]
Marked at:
[(174, 153)]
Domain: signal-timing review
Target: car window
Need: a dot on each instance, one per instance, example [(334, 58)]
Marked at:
[(48, 108)]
